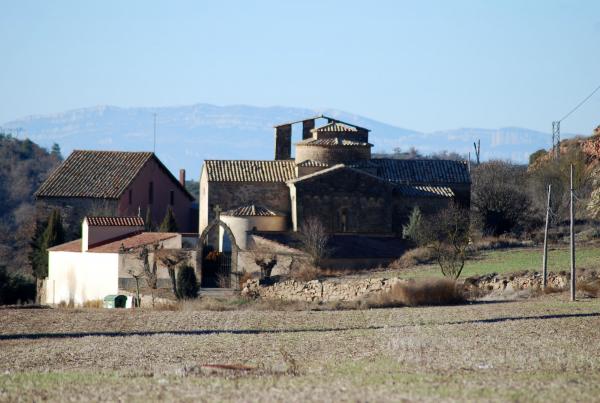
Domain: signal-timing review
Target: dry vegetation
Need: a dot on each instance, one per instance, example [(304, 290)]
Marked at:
[(545, 349)]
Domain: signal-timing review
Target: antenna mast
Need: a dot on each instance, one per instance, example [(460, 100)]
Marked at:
[(154, 145)]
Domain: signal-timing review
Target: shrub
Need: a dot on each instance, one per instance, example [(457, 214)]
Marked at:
[(304, 271), (413, 230), (187, 284), (417, 293), (245, 277), (16, 288), (413, 257)]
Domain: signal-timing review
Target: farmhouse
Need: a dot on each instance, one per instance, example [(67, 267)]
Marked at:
[(114, 183), (362, 202), (101, 262)]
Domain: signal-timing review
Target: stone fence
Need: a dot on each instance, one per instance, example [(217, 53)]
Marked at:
[(331, 290)]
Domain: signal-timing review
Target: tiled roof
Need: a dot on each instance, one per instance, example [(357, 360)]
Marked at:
[(250, 171), (419, 171), (115, 221), (130, 242), (250, 210), (312, 163), (335, 141), (335, 127), (414, 172), (98, 174), (426, 191)]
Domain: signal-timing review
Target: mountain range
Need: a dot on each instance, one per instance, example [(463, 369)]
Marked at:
[(187, 135)]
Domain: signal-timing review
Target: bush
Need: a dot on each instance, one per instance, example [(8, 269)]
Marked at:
[(304, 271), (187, 284), (413, 230), (413, 257), (16, 288), (417, 293)]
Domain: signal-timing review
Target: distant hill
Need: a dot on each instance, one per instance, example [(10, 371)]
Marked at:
[(186, 135)]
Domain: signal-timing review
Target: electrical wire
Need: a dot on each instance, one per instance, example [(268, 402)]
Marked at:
[(580, 104)]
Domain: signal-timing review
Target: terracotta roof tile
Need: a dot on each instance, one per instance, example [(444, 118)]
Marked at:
[(335, 127), (115, 221), (250, 171), (426, 191), (132, 241), (312, 163), (335, 141), (426, 172), (98, 174), (250, 210)]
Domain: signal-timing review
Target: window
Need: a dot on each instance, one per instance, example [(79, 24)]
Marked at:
[(172, 197), (130, 197), (151, 192), (344, 220)]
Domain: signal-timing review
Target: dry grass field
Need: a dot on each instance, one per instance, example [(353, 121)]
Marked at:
[(542, 349)]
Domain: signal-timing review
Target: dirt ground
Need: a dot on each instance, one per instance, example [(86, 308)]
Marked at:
[(544, 349)]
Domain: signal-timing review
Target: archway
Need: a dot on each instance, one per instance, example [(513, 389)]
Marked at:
[(217, 257)]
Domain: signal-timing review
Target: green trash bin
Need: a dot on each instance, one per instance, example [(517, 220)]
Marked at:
[(115, 301)]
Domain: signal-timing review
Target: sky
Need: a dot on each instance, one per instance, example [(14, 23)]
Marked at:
[(423, 65)]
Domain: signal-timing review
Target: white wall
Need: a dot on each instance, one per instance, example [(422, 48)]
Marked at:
[(95, 234), (241, 225), (80, 277)]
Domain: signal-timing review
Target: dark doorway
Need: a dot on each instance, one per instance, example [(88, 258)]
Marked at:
[(216, 269)]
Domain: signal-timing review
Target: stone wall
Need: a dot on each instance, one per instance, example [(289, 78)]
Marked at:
[(320, 291), (349, 290)]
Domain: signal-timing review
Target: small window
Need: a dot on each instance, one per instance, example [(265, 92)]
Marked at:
[(151, 192), (130, 197), (344, 220), (172, 197)]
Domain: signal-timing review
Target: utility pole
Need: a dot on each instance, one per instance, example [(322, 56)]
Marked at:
[(572, 240), (545, 257), (477, 146), (154, 145), (556, 138)]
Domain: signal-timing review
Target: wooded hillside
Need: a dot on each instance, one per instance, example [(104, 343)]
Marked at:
[(23, 167)]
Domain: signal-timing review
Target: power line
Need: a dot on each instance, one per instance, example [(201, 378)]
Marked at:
[(580, 104)]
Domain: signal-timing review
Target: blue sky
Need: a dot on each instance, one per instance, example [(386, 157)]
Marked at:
[(423, 65)]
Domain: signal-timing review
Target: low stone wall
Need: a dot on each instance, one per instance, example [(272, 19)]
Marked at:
[(512, 282), (332, 290), (320, 291)]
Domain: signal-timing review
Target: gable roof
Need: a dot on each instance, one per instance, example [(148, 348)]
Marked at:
[(250, 210), (99, 174), (336, 127), (334, 141), (249, 170), (337, 167), (129, 242), (134, 221), (419, 171)]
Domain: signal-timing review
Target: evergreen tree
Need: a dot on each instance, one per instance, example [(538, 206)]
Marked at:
[(413, 230), (55, 151), (148, 221), (187, 283), (169, 224), (36, 254), (53, 235)]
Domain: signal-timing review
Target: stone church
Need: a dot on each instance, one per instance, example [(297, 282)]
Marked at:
[(331, 177)]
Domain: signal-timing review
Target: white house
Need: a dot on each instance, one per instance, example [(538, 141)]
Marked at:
[(91, 268)]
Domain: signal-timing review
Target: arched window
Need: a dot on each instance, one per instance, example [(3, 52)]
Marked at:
[(343, 219)]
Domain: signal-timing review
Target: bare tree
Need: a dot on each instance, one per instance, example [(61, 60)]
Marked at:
[(447, 234), (266, 263), (150, 271), (138, 274), (171, 259), (314, 240)]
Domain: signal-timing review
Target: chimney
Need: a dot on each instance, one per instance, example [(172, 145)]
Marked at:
[(182, 177), (283, 142), (307, 126)]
